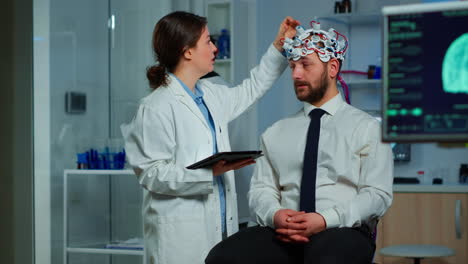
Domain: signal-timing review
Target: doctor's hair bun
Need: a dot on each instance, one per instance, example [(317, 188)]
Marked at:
[(157, 76)]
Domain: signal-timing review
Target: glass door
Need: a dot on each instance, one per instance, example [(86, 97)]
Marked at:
[(90, 60)]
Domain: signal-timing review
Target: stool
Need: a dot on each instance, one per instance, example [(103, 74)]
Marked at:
[(417, 252)]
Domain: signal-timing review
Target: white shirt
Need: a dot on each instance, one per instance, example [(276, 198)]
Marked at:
[(354, 168)]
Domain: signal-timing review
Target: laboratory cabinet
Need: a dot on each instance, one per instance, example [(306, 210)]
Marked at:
[(426, 218), (232, 16), (219, 14), (102, 217)]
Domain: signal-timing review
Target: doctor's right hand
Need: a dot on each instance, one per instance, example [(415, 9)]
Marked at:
[(287, 29), (222, 166)]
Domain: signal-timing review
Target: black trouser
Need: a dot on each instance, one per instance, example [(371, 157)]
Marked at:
[(258, 245)]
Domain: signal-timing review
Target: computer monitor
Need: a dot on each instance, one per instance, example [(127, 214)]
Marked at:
[(425, 72)]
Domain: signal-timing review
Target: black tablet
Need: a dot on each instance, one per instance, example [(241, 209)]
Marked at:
[(227, 156)]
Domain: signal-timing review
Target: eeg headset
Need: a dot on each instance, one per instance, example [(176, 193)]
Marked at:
[(327, 44)]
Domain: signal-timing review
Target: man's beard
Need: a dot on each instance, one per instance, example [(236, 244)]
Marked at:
[(315, 93)]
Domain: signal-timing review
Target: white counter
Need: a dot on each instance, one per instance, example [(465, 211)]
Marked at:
[(432, 188)]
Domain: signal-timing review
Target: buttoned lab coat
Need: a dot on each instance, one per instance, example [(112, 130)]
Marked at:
[(181, 208)]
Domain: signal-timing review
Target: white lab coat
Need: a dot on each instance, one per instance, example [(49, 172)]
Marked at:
[(181, 209)]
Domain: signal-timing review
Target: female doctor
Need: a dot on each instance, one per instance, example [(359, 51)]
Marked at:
[(187, 212)]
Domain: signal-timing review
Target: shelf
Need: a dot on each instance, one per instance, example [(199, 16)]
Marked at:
[(222, 61), (364, 82), (99, 172), (102, 250), (352, 18), (220, 16), (222, 3)]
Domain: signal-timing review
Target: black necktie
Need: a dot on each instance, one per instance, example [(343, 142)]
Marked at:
[(309, 172)]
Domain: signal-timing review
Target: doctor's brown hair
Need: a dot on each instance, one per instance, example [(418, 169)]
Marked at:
[(172, 36)]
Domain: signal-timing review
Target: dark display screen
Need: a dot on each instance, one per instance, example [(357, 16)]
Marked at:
[(426, 76)]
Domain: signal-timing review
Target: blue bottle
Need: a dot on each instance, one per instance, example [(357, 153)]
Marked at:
[(224, 45)]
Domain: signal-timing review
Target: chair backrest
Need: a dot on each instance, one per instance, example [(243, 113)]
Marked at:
[(373, 235)]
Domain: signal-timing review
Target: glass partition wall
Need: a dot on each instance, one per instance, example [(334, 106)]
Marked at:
[(90, 60)]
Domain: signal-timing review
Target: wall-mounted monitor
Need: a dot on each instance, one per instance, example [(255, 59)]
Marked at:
[(425, 72)]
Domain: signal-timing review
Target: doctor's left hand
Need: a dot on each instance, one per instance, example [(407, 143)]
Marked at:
[(222, 166)]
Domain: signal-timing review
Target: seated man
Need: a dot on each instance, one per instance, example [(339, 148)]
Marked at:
[(326, 177)]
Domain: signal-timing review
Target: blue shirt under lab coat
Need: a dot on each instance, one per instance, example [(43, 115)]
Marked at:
[(198, 98)]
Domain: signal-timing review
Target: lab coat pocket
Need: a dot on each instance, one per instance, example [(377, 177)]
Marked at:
[(182, 239)]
